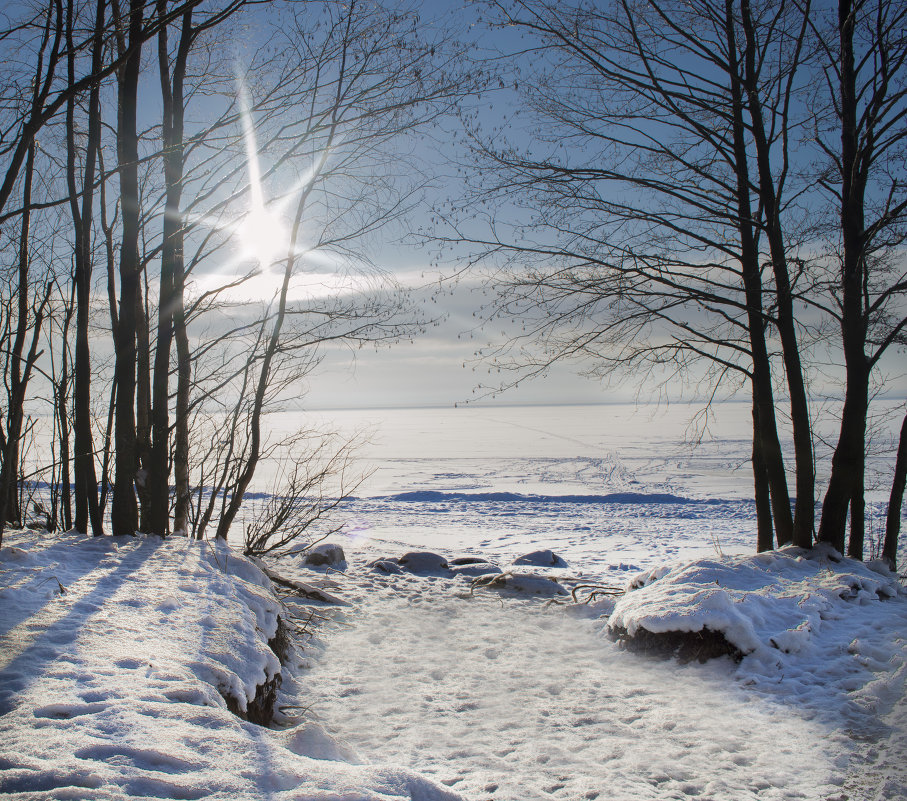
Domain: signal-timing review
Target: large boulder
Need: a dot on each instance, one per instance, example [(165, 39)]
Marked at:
[(325, 554)]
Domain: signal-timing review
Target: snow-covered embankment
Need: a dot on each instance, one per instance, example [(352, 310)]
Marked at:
[(121, 660)]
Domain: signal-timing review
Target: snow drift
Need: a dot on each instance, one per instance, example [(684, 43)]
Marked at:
[(741, 605), (121, 659)]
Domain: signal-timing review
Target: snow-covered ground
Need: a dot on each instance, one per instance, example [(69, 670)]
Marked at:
[(515, 701), (117, 656), (114, 687)]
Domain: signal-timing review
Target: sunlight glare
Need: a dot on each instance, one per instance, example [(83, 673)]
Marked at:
[(263, 237), (262, 234)]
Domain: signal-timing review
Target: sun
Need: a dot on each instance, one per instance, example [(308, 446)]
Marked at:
[(263, 237)]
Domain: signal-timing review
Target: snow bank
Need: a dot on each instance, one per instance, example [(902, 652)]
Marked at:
[(631, 498), (771, 601), (120, 658)]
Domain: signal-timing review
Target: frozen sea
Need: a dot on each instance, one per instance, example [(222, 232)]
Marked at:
[(501, 697)]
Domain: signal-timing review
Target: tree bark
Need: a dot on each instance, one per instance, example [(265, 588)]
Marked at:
[(804, 513), (764, 529), (171, 295), (848, 460), (124, 510), (895, 502), (62, 415), (763, 398), (86, 483), (142, 404), (9, 495)]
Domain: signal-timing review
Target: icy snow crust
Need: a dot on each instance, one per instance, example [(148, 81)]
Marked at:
[(113, 687)]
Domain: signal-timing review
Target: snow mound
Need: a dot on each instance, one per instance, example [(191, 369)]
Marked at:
[(773, 601), (423, 562), (546, 558), (528, 583), (119, 660)]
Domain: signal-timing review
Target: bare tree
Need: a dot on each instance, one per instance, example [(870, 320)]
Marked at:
[(655, 205), (866, 75), (86, 484)]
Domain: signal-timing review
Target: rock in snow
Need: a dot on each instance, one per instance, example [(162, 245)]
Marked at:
[(522, 582), (423, 562), (386, 565), (541, 559), (327, 553), (478, 568)]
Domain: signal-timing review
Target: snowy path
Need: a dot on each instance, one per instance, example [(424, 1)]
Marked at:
[(518, 703)]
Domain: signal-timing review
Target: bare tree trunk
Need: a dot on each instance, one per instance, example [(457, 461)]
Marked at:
[(763, 398), (804, 514), (86, 483), (847, 462), (62, 407), (272, 345), (108, 439), (170, 309), (857, 517), (8, 485), (8, 471), (895, 501), (764, 529), (183, 381), (124, 510), (142, 407)]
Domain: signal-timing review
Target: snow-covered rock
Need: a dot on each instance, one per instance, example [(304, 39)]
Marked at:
[(327, 553), (385, 565), (774, 600), (423, 562), (529, 583), (475, 569), (544, 558)]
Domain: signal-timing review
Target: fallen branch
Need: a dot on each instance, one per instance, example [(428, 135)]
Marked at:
[(302, 589)]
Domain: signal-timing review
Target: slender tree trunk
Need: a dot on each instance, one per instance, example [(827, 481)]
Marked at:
[(108, 441), (847, 464), (170, 309), (804, 513), (857, 517), (86, 483), (11, 512), (8, 471), (895, 501), (142, 408), (183, 381), (124, 510), (764, 529), (62, 408), (272, 346), (763, 397)]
